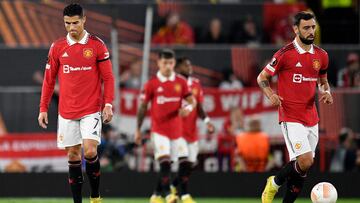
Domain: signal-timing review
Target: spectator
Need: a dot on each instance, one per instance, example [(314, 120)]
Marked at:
[(175, 32), (248, 33), (253, 146), (230, 82), (226, 141), (131, 78), (345, 156), (346, 76), (283, 32), (214, 34), (357, 79)]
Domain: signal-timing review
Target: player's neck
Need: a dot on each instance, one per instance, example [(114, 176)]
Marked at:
[(305, 47), (79, 37)]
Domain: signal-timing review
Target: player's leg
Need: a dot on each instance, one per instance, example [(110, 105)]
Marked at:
[(180, 153), (69, 138), (295, 135), (90, 127), (162, 156), (295, 184)]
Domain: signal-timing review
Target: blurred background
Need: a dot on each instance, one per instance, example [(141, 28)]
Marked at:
[(228, 42)]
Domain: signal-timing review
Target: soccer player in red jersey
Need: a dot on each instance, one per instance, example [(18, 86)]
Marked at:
[(184, 68), (82, 64), (300, 67), (165, 92)]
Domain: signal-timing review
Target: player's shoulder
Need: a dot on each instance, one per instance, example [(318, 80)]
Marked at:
[(96, 39), (195, 80), (180, 78), (319, 50), (59, 42), (152, 80), (285, 49)]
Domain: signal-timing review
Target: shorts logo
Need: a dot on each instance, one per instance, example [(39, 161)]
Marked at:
[(61, 138), (298, 145), (177, 87), (316, 64), (88, 53)]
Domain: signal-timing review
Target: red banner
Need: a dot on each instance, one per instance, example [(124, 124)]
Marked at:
[(29, 146), (217, 102)]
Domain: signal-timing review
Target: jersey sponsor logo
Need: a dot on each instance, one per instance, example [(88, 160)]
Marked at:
[(316, 64), (163, 99), (88, 53), (299, 78), (298, 65), (65, 55), (68, 69), (177, 87)]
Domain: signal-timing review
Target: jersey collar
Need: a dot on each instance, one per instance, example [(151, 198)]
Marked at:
[(301, 50), (163, 78), (84, 40)]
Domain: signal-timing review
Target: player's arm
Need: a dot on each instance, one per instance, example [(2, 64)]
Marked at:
[(263, 81), (140, 116), (324, 89), (105, 68), (323, 84), (203, 115), (51, 71), (191, 105)]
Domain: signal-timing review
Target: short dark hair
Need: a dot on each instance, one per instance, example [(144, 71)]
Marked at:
[(180, 61), (303, 15), (73, 10), (166, 54)]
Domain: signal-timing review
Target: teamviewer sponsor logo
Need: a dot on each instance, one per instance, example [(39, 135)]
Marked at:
[(163, 100), (68, 69), (299, 78)]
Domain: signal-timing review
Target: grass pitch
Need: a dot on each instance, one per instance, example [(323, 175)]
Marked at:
[(142, 200)]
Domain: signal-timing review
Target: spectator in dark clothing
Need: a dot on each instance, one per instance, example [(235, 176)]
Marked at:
[(344, 158), (214, 34)]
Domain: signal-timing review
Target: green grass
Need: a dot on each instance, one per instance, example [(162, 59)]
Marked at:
[(141, 200)]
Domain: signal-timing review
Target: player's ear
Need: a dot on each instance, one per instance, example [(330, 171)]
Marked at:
[(296, 29), (84, 19)]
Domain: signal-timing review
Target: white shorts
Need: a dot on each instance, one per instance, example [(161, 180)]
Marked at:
[(193, 148), (163, 146), (300, 139), (72, 132)]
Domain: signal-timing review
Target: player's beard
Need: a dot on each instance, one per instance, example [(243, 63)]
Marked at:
[(306, 41)]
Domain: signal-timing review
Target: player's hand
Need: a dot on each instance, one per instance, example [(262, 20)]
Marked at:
[(210, 128), (275, 100), (326, 98), (183, 112), (137, 137), (43, 119), (107, 114)]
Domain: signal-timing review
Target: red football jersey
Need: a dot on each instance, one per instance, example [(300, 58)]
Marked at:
[(189, 122), (165, 95), (298, 72), (81, 68)]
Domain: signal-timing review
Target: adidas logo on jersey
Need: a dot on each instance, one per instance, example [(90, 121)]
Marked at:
[(65, 55), (298, 65), (160, 89)]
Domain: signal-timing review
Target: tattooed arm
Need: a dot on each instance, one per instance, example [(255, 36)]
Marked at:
[(263, 81), (140, 119)]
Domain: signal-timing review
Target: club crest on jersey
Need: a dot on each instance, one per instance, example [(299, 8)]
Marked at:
[(177, 87), (88, 53), (316, 64)]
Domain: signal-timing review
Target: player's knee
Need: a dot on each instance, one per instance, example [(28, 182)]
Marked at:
[(90, 152), (305, 163), (74, 155)]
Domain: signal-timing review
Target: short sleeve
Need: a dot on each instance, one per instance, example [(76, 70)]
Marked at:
[(103, 53), (324, 65), (147, 93), (201, 94), (275, 64), (186, 91)]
